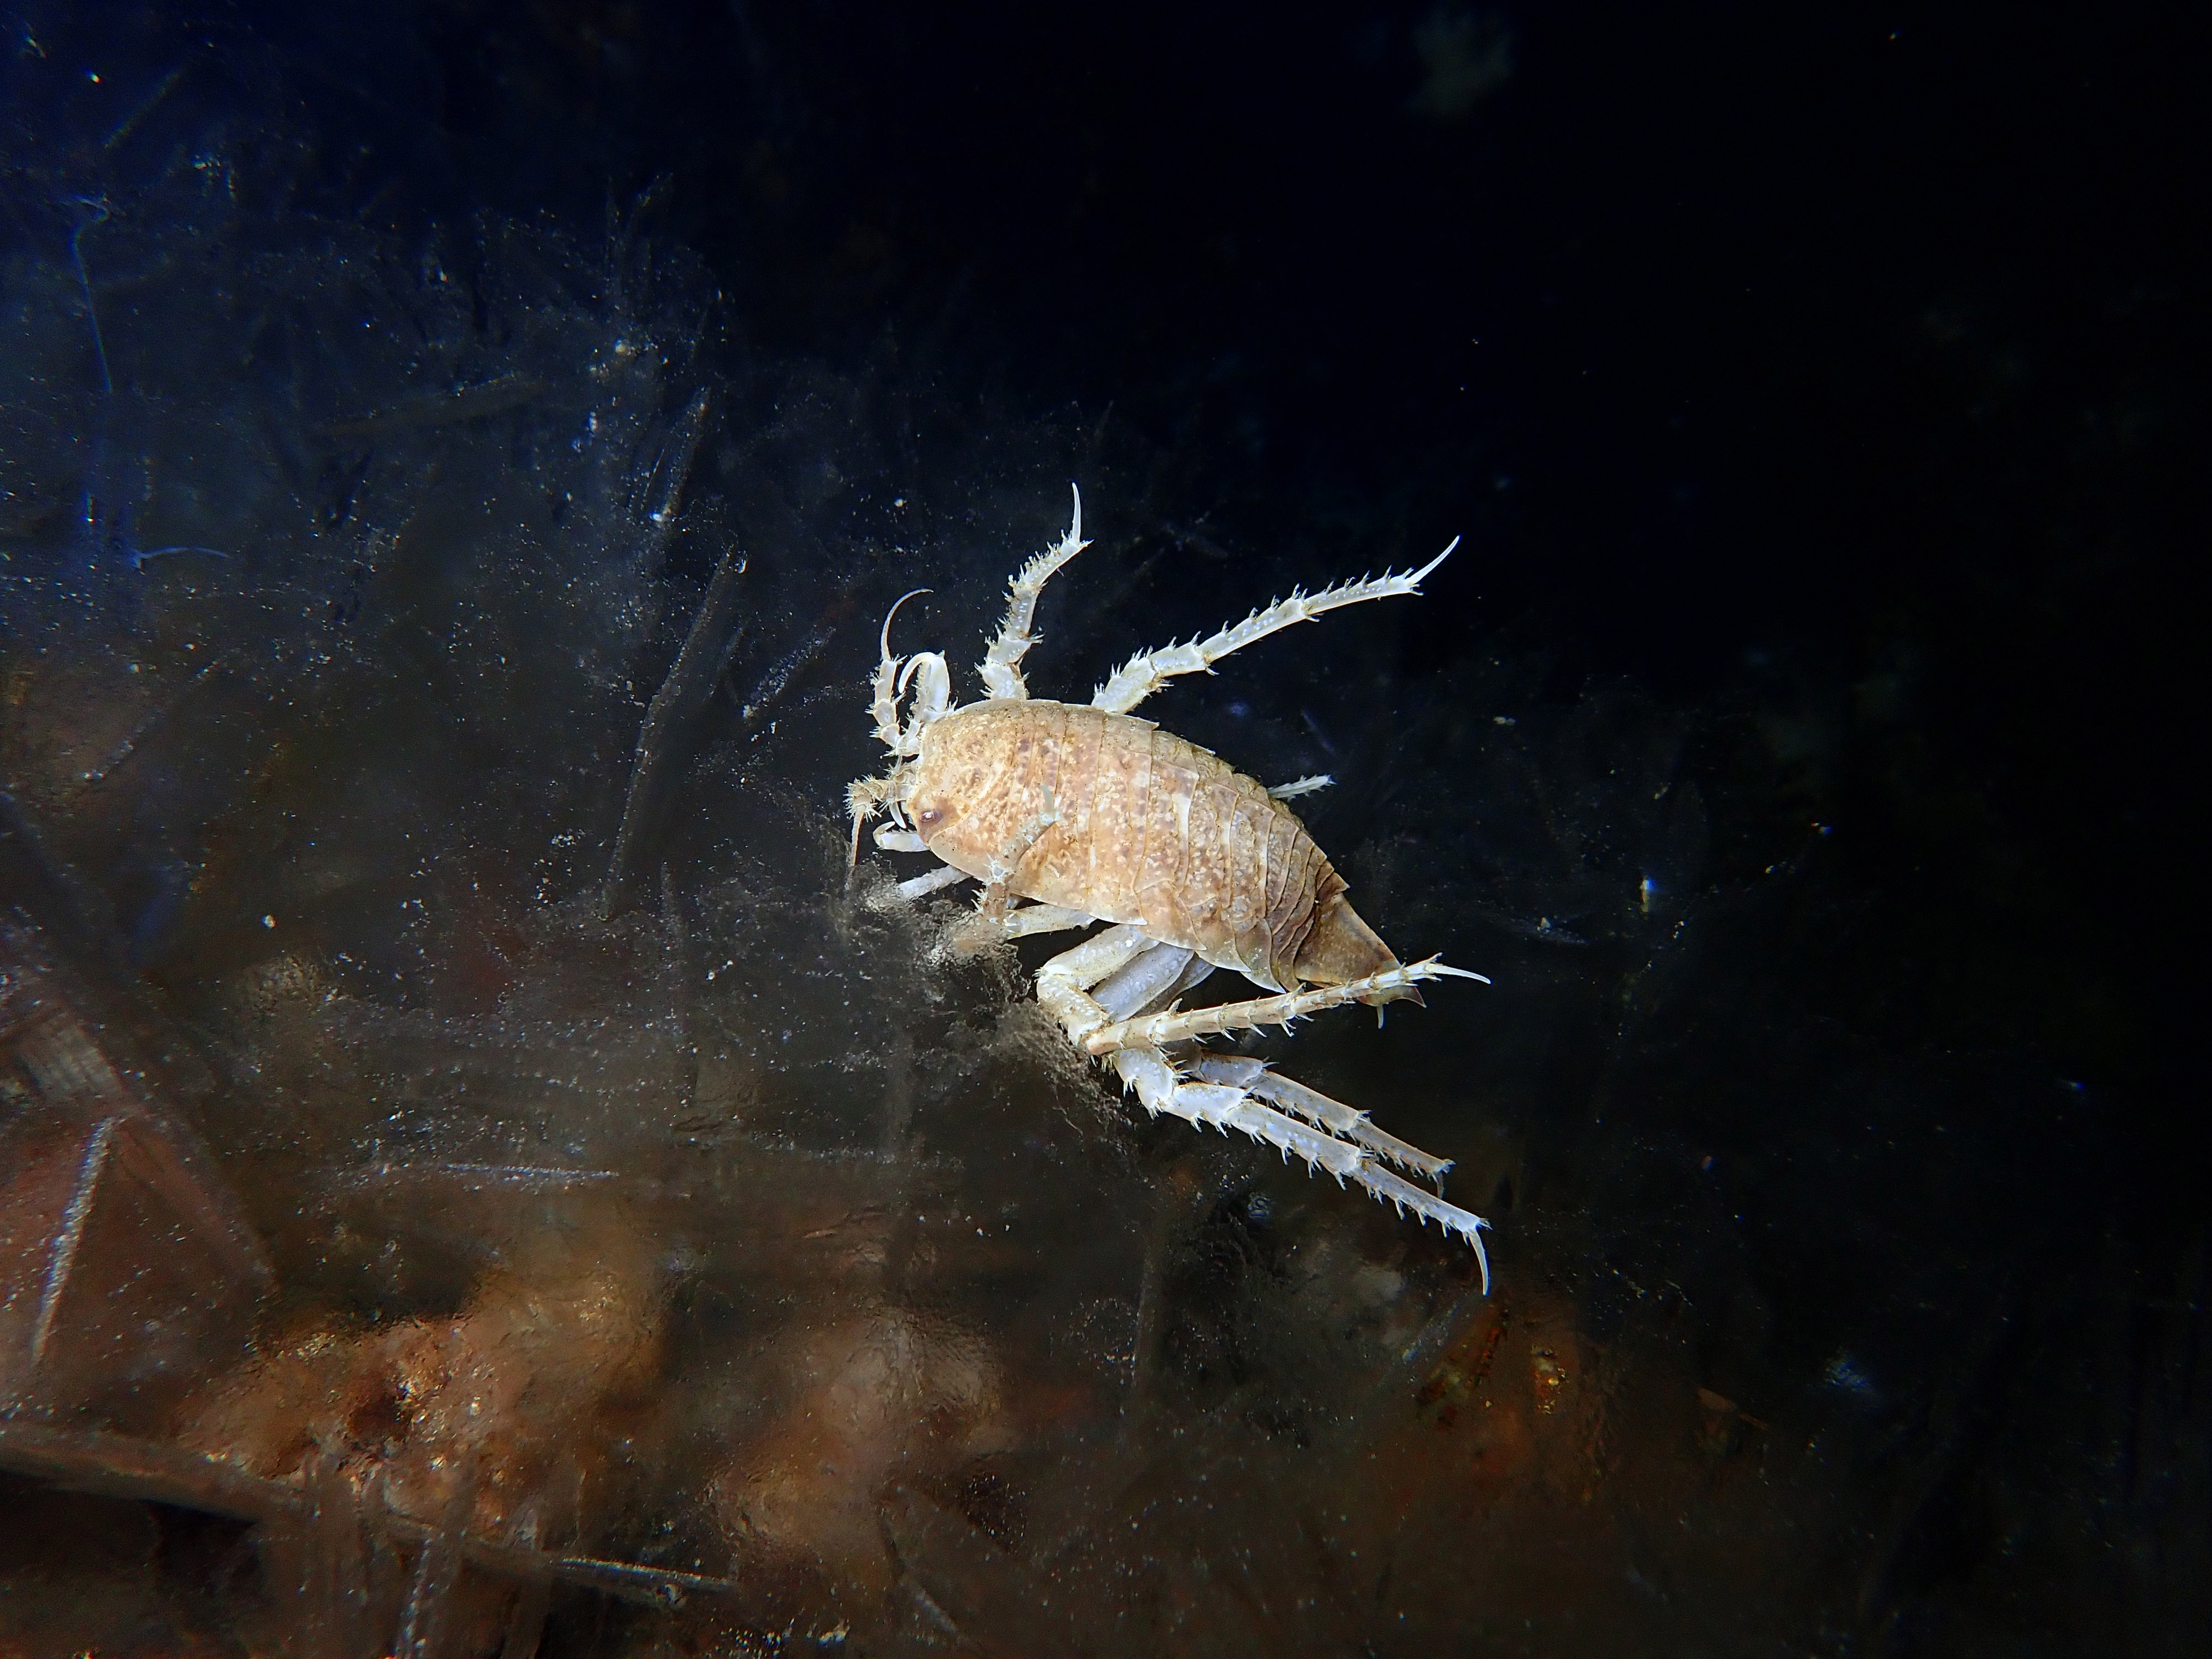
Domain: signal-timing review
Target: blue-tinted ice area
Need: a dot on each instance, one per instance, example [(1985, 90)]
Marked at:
[(436, 1215)]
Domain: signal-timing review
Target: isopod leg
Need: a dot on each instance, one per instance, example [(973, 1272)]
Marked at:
[(996, 903), (1148, 670), (922, 886), (1315, 1107), (883, 706), (1153, 1078), (1226, 1106), (1126, 964), (1403, 1195), (1001, 665), (1153, 981), (983, 930), (1043, 919), (1157, 1030), (1064, 988), (1064, 983)]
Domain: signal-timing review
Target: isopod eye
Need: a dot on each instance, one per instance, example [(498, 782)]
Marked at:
[(929, 818)]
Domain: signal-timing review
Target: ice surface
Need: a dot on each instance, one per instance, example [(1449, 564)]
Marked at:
[(480, 1139)]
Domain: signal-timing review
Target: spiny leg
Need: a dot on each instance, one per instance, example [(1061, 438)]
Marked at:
[(1064, 988), (1160, 1088), (1001, 664), (1147, 672), (981, 932), (1297, 786), (1315, 1107), (863, 799), (1403, 1195), (915, 890), (1225, 1107), (1156, 1030)]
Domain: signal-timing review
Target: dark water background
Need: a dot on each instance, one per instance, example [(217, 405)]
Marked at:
[(667, 1249)]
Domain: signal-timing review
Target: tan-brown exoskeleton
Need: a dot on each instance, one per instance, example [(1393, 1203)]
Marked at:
[(1096, 815)]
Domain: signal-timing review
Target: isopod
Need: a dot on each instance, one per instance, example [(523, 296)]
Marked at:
[(1089, 813)]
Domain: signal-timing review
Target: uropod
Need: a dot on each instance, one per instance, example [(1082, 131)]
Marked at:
[(1072, 814)]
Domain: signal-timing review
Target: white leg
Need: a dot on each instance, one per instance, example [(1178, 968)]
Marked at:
[(1147, 672), (1403, 1195), (1064, 988), (1150, 982), (1297, 786), (1148, 1071), (981, 931), (1064, 983), (1155, 1030), (863, 799), (1043, 919), (1001, 665), (923, 885), (1223, 1106), (1315, 1107)]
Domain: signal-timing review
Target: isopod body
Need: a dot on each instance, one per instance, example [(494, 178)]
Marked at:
[(1134, 824)]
